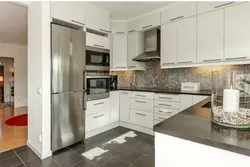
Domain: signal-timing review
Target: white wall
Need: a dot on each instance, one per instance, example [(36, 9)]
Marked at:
[(19, 53), (39, 121)]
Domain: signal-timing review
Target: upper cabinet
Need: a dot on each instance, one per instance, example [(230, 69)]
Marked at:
[(98, 41), (135, 48), (149, 22), (132, 26), (97, 18), (204, 7), (237, 34), (210, 36), (179, 12), (73, 12), (119, 27)]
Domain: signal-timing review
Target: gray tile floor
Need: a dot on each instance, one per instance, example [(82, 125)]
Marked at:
[(136, 152)]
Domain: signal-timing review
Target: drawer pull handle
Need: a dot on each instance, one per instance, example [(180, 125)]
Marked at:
[(140, 95), (120, 32), (161, 118), (140, 114), (77, 22), (168, 112), (120, 67), (140, 101), (165, 105), (147, 26), (169, 98), (104, 30), (229, 3), (132, 66), (236, 58), (168, 63), (211, 60), (99, 116), (99, 45), (131, 31), (99, 103), (125, 93), (184, 62), (176, 18)]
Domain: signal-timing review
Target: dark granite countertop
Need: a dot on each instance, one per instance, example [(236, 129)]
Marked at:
[(195, 124), (170, 91)]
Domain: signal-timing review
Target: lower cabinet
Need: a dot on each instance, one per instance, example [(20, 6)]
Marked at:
[(124, 106), (141, 118), (96, 120), (114, 106)]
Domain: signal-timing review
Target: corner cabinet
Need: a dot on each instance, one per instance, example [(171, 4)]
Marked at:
[(72, 12), (237, 34), (119, 52), (97, 18)]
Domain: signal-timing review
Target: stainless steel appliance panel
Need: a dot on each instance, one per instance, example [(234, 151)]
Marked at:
[(68, 119)]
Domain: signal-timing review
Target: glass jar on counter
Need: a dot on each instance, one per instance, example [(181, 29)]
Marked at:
[(231, 98)]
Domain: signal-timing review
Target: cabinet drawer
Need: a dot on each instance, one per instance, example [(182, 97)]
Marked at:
[(141, 104), (97, 106), (161, 117), (156, 121), (97, 40), (167, 97), (179, 12), (144, 95), (166, 104), (96, 120), (165, 111), (141, 118)]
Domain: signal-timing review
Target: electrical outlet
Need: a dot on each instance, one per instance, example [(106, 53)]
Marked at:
[(40, 138)]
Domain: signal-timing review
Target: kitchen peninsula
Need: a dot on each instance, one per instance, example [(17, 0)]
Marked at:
[(190, 139)]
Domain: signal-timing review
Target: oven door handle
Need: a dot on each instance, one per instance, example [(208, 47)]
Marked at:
[(98, 76)]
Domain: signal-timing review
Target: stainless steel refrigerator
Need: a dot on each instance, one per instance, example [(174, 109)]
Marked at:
[(68, 85)]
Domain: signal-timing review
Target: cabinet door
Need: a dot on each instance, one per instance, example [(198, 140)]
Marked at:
[(119, 28), (124, 106), (132, 26), (237, 34), (168, 44), (185, 101), (204, 7), (97, 19), (97, 40), (186, 41), (149, 22), (73, 12), (114, 106), (210, 37), (120, 51)]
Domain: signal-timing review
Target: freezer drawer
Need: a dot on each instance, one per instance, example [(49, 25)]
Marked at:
[(68, 119)]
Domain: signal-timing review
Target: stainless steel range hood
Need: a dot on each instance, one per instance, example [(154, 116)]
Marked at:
[(152, 46)]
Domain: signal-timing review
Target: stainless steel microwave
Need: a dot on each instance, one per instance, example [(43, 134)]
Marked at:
[(97, 59)]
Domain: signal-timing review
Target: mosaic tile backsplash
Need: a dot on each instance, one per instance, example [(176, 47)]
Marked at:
[(154, 77)]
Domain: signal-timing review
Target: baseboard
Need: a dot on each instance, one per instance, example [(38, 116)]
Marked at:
[(101, 130), (137, 128), (41, 156)]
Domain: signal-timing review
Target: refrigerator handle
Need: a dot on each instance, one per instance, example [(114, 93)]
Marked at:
[(85, 91)]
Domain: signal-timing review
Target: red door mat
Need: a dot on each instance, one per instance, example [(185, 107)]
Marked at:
[(20, 120)]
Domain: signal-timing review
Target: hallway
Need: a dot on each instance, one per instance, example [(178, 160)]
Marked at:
[(12, 136)]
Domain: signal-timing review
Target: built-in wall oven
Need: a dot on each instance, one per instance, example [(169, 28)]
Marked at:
[(98, 85), (97, 59)]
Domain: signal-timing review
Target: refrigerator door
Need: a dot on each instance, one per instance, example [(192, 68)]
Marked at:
[(62, 69), (68, 119)]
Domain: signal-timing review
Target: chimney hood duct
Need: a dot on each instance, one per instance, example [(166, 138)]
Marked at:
[(152, 46)]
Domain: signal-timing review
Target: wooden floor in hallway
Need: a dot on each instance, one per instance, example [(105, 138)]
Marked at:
[(12, 136)]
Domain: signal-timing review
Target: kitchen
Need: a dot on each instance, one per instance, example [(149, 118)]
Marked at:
[(160, 64)]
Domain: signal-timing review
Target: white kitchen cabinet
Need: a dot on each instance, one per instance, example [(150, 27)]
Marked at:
[(73, 12), (141, 118), (168, 44), (237, 34), (185, 101), (119, 27), (197, 98), (132, 26), (135, 48), (96, 120), (210, 36), (167, 104), (167, 97), (124, 106), (142, 95), (181, 11), (114, 106), (204, 7), (141, 104), (97, 18), (149, 21), (120, 58), (186, 41), (97, 106), (98, 41)]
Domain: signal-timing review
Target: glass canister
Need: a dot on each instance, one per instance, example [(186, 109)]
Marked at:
[(231, 98)]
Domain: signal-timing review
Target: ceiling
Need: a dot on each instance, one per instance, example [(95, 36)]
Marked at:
[(13, 19), (128, 10)]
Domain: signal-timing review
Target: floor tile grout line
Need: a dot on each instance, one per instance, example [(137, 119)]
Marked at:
[(138, 159), (20, 158), (9, 157), (57, 162)]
